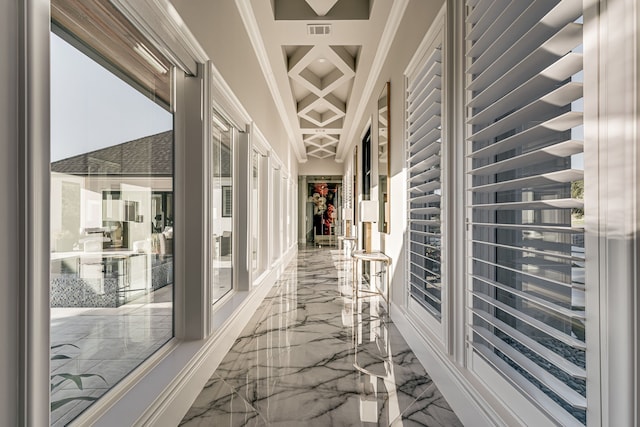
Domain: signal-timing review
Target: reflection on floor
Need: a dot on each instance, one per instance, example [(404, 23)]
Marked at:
[(311, 357), (109, 342)]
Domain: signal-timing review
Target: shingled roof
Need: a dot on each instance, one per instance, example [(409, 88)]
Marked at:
[(148, 156)]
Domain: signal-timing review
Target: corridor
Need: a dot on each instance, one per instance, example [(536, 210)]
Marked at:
[(310, 356)]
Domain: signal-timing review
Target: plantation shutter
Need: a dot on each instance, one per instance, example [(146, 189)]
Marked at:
[(525, 211), (424, 135)]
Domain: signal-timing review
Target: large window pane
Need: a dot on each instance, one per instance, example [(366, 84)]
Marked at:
[(222, 206), (255, 207), (111, 218)]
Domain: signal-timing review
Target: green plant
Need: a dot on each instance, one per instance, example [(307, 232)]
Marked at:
[(58, 380)]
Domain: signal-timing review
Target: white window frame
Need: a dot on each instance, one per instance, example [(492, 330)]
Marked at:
[(437, 330), (528, 411)]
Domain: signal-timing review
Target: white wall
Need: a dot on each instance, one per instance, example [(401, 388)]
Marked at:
[(415, 23), (220, 31), (315, 166)]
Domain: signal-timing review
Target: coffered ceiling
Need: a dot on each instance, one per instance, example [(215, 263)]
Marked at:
[(321, 59)]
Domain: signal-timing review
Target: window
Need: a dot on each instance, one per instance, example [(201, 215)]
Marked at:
[(525, 207), (111, 200), (424, 166), (222, 143), (255, 211)]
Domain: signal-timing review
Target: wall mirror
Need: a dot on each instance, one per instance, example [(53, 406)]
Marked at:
[(384, 159), (354, 196)]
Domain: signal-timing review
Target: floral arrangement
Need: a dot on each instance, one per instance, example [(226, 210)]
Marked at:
[(319, 198), (321, 208)]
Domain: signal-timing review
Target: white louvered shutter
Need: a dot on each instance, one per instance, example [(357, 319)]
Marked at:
[(525, 208), (424, 136)]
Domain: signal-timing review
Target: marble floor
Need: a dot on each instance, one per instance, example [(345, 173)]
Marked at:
[(313, 356)]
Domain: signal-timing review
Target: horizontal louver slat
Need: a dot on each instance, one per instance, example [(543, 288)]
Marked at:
[(534, 227), (533, 204), (558, 387), (562, 149), (425, 134), (559, 361), (544, 82), (563, 176), (541, 57), (429, 198), (558, 98), (531, 321), (483, 40), (431, 110), (527, 248), (488, 17), (422, 86), (548, 128), (534, 16), (424, 140), (534, 299)]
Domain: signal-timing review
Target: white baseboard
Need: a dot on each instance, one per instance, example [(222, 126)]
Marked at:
[(470, 400)]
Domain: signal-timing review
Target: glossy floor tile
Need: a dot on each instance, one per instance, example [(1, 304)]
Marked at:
[(312, 355)]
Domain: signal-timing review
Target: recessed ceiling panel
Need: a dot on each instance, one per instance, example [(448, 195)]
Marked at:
[(321, 79), (309, 10)]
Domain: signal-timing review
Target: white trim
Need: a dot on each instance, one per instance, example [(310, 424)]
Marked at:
[(251, 25), (597, 406), (28, 205), (388, 34), (160, 21), (612, 70), (453, 117)]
